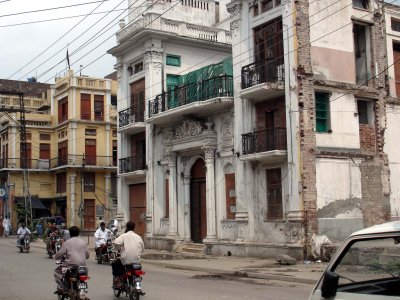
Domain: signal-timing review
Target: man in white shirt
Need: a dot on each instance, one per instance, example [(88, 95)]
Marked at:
[(21, 233), (132, 247), (6, 226), (101, 236)]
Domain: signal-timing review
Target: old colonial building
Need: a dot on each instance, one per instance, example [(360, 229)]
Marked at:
[(71, 149), (251, 140)]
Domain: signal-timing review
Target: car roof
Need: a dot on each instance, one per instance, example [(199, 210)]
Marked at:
[(381, 228)]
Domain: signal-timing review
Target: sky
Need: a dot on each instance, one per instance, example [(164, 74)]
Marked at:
[(39, 49)]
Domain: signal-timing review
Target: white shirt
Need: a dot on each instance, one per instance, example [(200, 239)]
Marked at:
[(21, 231), (132, 247), (101, 236), (6, 224)]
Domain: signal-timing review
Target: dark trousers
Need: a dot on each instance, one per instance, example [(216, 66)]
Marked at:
[(117, 268)]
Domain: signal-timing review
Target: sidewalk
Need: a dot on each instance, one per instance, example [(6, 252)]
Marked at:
[(242, 267)]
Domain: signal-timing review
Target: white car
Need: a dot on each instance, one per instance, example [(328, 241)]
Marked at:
[(366, 266)]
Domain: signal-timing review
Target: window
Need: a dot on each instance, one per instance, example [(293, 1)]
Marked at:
[(44, 137), (90, 152), (362, 53), (173, 60), (99, 107), (365, 112), (266, 5), (363, 4), (115, 153), (44, 151), (61, 182), (85, 106), (114, 133), (255, 9), (138, 100), (274, 194), (63, 109), (138, 67), (62, 153), (28, 136), (90, 131), (395, 24), (89, 182), (322, 111)]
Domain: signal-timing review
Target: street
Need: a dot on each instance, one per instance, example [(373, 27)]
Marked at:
[(30, 276)]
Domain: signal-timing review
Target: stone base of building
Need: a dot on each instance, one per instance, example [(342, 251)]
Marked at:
[(239, 249)]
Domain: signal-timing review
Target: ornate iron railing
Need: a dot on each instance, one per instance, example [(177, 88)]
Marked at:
[(221, 86), (263, 72), (264, 140), (131, 164), (130, 115)]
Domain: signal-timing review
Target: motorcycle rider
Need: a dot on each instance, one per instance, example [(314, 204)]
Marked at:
[(51, 228), (132, 247), (75, 252), (21, 234), (101, 236)]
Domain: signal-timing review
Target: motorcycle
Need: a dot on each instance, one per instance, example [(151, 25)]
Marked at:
[(25, 243), (75, 282), (55, 245), (106, 252), (131, 282)]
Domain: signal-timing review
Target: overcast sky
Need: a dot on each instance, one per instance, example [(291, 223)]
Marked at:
[(21, 44)]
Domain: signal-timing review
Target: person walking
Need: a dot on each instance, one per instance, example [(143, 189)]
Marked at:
[(6, 226)]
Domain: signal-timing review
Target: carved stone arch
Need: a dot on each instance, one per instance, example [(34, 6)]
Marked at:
[(190, 163), (229, 168), (228, 161)]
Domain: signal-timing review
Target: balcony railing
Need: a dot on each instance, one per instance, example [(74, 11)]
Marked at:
[(130, 115), (132, 164), (79, 160), (221, 86), (264, 140), (263, 72), (18, 163)]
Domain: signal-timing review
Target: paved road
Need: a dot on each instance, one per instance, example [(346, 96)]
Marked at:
[(30, 276)]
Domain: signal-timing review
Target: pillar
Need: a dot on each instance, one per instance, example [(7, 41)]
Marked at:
[(173, 204), (186, 187)]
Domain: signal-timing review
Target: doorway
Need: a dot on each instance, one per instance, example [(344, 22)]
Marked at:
[(198, 212), (137, 207), (90, 214)]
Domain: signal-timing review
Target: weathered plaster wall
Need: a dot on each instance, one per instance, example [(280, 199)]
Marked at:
[(391, 37), (392, 138), (344, 124), (339, 197)]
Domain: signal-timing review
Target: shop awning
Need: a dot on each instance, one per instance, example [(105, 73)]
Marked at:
[(36, 202)]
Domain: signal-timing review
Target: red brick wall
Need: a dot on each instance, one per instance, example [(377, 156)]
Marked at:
[(367, 138)]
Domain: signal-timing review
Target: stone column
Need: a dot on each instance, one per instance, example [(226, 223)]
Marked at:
[(186, 186), (173, 208), (210, 195), (107, 186), (72, 179)]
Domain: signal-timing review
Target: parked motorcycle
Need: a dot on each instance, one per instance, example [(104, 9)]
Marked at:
[(25, 243), (106, 252), (75, 281), (131, 282), (55, 245)]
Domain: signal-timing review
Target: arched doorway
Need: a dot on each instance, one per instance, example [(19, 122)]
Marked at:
[(198, 212)]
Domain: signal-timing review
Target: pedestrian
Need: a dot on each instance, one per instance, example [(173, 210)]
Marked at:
[(6, 226)]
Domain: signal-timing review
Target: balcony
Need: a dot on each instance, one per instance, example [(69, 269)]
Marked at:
[(131, 120), (263, 81), (268, 145), (214, 94), (132, 164), (18, 164), (89, 161)]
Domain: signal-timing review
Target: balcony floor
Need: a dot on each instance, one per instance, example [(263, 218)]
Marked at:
[(263, 91), (275, 156), (132, 128), (198, 108)]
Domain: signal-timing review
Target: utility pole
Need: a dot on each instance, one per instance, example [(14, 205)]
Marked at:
[(81, 212)]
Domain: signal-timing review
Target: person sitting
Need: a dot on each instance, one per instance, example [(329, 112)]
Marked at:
[(75, 252), (21, 234), (101, 236), (132, 247)]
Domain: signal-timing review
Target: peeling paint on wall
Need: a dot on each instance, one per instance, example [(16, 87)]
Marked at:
[(347, 208)]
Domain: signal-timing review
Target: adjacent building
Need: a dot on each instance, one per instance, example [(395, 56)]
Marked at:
[(71, 149)]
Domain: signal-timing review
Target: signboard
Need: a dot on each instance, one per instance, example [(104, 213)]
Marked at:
[(99, 210)]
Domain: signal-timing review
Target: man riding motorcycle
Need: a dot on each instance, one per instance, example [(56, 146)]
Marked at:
[(21, 234), (131, 246), (101, 236), (75, 252)]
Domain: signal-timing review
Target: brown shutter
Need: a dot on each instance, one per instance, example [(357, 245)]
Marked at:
[(167, 198), (90, 152), (230, 195), (44, 151), (85, 106)]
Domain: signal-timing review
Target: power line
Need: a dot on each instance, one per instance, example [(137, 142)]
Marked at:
[(53, 8), (40, 54)]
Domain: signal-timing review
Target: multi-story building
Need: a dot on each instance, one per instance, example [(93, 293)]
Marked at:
[(71, 150), (296, 148)]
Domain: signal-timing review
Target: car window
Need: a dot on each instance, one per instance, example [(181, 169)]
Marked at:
[(369, 264)]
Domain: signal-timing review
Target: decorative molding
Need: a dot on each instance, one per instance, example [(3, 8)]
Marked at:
[(186, 180), (235, 25), (172, 159), (187, 129), (209, 153), (234, 8), (153, 57), (119, 69), (229, 160), (185, 161)]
